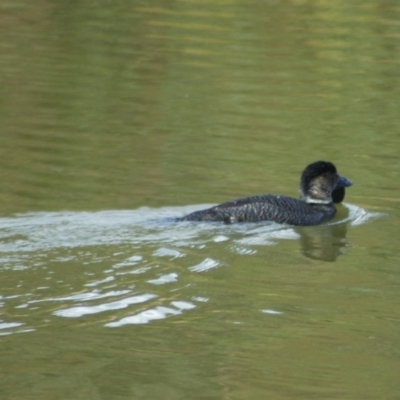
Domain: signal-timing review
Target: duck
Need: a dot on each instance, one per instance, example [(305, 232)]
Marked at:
[(321, 187)]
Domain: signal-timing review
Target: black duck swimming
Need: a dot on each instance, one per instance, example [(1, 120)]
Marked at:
[(320, 187)]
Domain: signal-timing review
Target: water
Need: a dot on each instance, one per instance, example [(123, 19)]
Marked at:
[(121, 259), (116, 119)]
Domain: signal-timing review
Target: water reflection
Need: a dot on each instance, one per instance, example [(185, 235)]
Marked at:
[(324, 242)]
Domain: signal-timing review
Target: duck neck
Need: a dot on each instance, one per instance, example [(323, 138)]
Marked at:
[(313, 200)]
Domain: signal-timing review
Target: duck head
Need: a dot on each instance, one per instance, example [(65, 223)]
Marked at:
[(321, 184)]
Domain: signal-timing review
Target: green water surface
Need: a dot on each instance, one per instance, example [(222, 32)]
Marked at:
[(132, 107)]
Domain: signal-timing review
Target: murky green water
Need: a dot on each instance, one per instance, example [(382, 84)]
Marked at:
[(117, 117)]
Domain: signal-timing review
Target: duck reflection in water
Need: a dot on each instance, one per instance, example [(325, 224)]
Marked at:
[(325, 242)]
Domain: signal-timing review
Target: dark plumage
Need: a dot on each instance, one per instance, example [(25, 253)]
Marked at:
[(320, 187)]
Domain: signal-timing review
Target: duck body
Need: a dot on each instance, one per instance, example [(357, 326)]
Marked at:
[(320, 188), (266, 207)]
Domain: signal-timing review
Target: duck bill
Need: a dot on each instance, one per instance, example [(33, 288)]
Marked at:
[(343, 182)]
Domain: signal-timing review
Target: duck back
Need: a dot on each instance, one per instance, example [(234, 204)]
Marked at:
[(268, 207)]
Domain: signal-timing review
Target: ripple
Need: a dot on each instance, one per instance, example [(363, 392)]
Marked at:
[(75, 312), (96, 283), (8, 325), (271, 312), (220, 238), (205, 265), (164, 252), (129, 262), (167, 278), (358, 216), (156, 313), (8, 328), (86, 296)]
